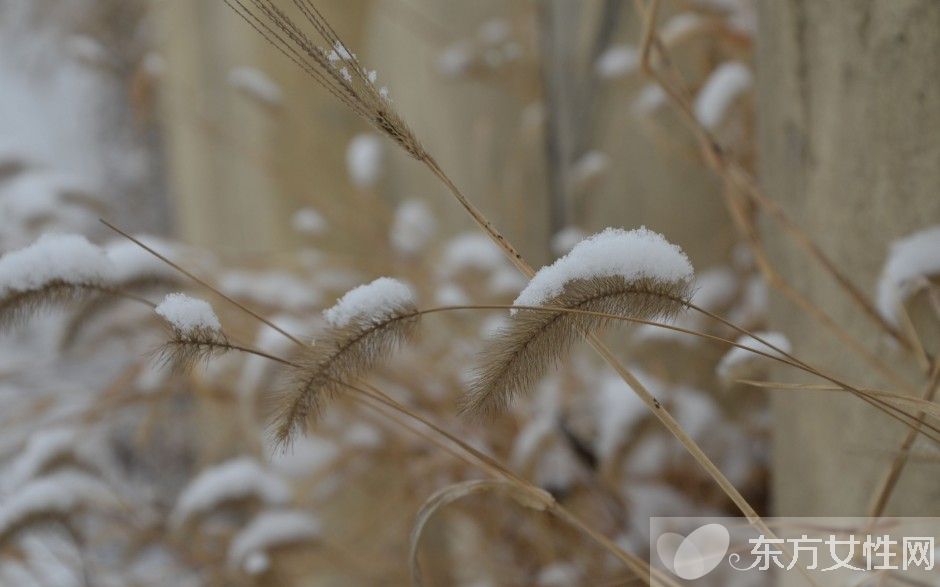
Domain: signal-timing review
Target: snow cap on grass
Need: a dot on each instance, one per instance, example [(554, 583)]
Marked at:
[(566, 239), (308, 221), (650, 99), (634, 254), (255, 84), (131, 262), (43, 448), (617, 62), (471, 250), (588, 169), (617, 411), (52, 259), (59, 494), (680, 26), (236, 479), (724, 85), (414, 226), (364, 160), (915, 256), (267, 531), (374, 301), (188, 315), (737, 362)]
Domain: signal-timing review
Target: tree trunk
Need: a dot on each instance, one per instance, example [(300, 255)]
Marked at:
[(849, 106)]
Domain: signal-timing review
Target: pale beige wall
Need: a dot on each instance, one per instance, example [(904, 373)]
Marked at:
[(848, 120)]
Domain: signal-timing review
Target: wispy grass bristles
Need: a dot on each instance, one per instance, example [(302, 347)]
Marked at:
[(331, 64), (197, 332), (532, 341), (17, 306), (339, 356), (185, 350)]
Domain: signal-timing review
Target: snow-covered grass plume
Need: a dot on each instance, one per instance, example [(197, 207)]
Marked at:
[(188, 315), (54, 258), (632, 255), (372, 302)]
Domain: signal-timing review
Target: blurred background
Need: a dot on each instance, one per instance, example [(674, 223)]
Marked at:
[(174, 119)]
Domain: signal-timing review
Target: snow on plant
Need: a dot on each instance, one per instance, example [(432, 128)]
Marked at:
[(44, 449), (911, 262), (617, 62), (308, 221), (566, 239), (188, 316), (242, 478), (650, 99), (365, 326), (470, 251), (631, 255), (257, 85), (738, 361), (58, 496), (724, 86), (373, 302), (55, 269), (413, 227), (364, 160), (250, 549), (637, 274)]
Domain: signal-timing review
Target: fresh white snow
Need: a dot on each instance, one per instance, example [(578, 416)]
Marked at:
[(54, 258), (238, 478), (374, 301), (634, 254), (413, 227), (737, 359), (724, 85), (309, 222), (269, 530), (188, 315), (566, 239), (130, 261), (617, 62), (471, 250), (364, 160), (256, 84), (912, 257), (59, 493)]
